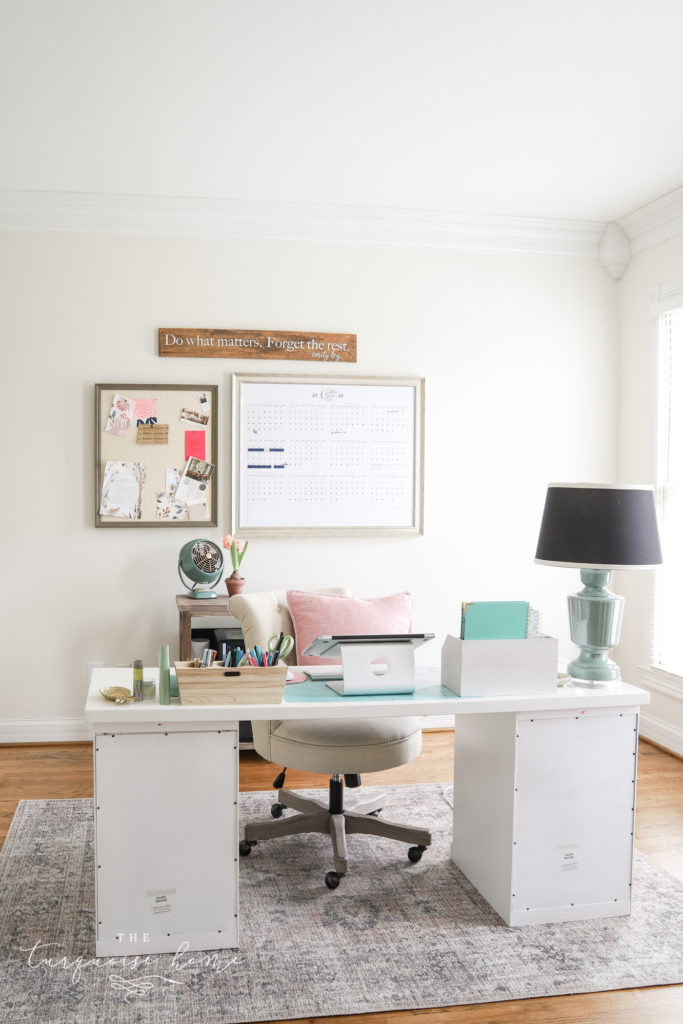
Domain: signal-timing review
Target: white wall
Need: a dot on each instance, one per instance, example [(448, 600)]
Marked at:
[(660, 264), (519, 355)]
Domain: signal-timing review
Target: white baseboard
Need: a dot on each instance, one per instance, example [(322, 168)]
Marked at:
[(437, 722), (75, 730), (47, 730), (70, 730), (662, 733)]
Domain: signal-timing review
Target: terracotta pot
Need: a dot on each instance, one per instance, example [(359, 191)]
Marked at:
[(235, 583)]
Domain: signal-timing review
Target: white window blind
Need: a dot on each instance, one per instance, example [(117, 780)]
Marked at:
[(668, 618)]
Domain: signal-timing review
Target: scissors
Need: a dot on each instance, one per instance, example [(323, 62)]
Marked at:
[(280, 646)]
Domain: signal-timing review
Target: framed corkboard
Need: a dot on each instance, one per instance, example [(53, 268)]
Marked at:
[(156, 455)]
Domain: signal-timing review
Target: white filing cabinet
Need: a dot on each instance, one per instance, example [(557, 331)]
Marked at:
[(166, 840), (543, 811)]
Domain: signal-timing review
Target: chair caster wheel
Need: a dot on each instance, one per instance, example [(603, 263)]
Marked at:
[(245, 847), (276, 810), (415, 853), (332, 879)]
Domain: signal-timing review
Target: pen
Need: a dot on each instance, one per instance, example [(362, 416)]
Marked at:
[(278, 645)]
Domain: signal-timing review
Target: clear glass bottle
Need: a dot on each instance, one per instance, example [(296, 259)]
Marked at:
[(137, 679), (164, 675)]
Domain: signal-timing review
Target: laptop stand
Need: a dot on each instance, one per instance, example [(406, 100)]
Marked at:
[(393, 670)]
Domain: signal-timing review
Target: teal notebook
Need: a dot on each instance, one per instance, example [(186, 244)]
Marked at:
[(495, 620)]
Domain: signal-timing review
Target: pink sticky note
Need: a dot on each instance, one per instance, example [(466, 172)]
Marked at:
[(195, 444)]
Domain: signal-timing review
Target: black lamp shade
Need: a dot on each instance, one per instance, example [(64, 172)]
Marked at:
[(599, 526)]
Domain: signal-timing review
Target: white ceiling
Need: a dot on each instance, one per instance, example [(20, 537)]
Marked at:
[(529, 108)]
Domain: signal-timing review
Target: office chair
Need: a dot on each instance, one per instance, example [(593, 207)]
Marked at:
[(341, 748)]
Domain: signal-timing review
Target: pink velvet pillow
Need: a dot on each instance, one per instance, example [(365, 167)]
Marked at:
[(317, 614)]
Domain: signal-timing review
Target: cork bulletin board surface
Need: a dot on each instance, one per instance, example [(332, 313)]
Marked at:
[(156, 450)]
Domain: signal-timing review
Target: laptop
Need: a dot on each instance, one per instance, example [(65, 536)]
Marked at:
[(379, 680)]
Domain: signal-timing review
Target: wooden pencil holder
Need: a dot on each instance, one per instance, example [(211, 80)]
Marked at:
[(221, 685)]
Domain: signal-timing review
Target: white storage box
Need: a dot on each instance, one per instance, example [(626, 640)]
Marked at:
[(494, 668)]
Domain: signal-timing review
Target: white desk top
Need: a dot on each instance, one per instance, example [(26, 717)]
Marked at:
[(315, 700)]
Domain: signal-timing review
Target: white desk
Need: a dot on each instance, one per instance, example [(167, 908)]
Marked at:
[(543, 809)]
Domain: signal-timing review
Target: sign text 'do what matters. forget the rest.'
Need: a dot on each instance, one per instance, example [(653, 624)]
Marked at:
[(198, 343)]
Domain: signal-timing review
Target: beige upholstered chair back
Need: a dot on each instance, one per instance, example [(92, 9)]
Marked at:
[(266, 613), (261, 615)]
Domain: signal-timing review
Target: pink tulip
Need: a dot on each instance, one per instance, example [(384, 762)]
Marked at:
[(236, 548)]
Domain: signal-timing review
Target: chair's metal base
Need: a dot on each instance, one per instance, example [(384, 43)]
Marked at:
[(315, 816)]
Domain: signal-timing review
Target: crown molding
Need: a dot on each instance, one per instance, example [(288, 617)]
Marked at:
[(655, 222), (87, 213)]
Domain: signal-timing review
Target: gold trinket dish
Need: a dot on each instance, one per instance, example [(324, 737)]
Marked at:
[(119, 694)]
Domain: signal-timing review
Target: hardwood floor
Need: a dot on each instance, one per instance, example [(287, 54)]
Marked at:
[(59, 771)]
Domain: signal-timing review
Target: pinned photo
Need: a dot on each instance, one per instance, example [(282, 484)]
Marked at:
[(190, 416)]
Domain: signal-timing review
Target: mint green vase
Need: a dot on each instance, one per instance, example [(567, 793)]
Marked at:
[(164, 675)]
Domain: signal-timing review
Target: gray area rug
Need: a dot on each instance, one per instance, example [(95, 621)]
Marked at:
[(392, 936)]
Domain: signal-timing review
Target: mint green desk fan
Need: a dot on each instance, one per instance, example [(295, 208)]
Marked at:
[(201, 561)]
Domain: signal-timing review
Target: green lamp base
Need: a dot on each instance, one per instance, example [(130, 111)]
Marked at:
[(595, 615), (593, 667)]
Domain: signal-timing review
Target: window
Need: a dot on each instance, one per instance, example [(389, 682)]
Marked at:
[(668, 618)]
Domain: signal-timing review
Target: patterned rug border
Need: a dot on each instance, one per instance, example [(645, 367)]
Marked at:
[(325, 972)]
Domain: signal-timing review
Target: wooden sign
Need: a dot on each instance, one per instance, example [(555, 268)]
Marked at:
[(196, 343)]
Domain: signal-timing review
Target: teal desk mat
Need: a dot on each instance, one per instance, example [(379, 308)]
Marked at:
[(318, 692)]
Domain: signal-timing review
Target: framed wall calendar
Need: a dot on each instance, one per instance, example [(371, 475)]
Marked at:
[(327, 454)]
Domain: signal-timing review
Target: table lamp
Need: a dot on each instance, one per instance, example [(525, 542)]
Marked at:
[(598, 528)]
